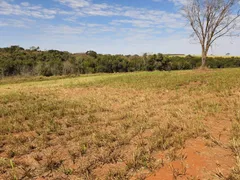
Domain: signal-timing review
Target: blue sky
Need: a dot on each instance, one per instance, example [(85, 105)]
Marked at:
[(106, 26)]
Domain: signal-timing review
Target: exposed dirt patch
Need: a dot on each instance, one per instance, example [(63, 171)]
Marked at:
[(199, 161), (202, 158), (109, 170)]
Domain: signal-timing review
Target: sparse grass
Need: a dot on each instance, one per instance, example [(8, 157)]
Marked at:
[(235, 145), (70, 127)]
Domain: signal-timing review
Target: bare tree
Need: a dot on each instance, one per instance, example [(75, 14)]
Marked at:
[(210, 20)]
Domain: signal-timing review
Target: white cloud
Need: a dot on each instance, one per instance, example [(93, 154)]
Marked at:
[(62, 30), (129, 29), (138, 17), (20, 23), (25, 4), (75, 3), (25, 9), (179, 2)]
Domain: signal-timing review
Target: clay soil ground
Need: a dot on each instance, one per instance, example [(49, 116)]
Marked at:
[(144, 125)]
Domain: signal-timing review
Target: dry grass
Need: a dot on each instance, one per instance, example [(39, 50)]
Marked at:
[(235, 145), (109, 126)]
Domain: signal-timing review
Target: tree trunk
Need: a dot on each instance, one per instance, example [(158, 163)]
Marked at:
[(204, 57)]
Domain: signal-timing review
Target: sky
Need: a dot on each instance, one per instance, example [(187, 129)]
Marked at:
[(105, 26)]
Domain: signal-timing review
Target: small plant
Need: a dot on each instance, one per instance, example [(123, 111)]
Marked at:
[(67, 171), (83, 149), (117, 175), (13, 169), (141, 158)]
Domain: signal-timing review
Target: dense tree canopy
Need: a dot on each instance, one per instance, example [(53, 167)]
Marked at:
[(16, 60)]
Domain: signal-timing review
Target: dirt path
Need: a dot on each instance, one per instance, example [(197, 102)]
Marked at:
[(202, 158)]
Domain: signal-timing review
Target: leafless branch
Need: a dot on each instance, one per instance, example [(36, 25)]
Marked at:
[(210, 20)]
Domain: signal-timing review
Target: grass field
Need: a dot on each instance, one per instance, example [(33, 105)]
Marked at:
[(120, 126)]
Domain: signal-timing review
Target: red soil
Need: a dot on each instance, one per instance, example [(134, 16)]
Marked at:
[(204, 158), (201, 162)]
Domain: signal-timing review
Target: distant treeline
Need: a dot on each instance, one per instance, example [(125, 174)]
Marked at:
[(16, 60)]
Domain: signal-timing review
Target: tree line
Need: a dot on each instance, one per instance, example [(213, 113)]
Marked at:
[(16, 60)]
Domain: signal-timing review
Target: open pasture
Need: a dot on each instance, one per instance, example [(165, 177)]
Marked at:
[(122, 126)]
